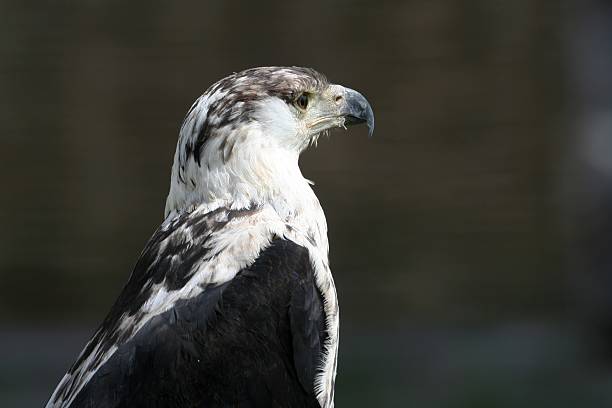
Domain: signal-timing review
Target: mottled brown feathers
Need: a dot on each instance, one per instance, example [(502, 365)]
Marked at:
[(230, 101)]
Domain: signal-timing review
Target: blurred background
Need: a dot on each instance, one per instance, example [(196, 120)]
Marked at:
[(470, 238)]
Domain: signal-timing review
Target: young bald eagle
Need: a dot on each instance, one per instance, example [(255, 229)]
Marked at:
[(232, 302)]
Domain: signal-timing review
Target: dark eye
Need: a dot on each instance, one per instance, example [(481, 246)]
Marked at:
[(302, 101)]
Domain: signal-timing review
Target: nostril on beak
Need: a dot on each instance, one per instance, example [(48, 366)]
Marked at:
[(338, 98)]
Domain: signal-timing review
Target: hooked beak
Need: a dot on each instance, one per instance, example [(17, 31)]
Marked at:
[(356, 109)]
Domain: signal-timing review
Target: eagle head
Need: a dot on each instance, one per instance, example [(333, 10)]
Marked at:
[(240, 142)]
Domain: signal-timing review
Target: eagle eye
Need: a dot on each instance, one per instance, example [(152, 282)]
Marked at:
[(302, 101)]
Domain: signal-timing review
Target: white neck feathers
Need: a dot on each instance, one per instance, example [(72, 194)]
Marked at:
[(241, 168)]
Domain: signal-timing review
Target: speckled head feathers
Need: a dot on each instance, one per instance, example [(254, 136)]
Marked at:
[(232, 100), (240, 141)]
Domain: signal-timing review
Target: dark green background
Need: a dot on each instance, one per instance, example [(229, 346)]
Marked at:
[(461, 262)]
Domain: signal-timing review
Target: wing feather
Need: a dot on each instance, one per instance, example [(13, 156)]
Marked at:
[(270, 315)]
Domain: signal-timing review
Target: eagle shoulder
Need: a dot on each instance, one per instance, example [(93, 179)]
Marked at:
[(142, 344)]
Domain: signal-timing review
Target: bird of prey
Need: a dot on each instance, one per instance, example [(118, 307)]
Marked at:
[(232, 302)]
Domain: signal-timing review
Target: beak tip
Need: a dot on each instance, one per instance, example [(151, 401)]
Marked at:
[(359, 110), (370, 122)]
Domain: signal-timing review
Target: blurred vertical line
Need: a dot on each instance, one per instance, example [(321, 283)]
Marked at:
[(587, 176)]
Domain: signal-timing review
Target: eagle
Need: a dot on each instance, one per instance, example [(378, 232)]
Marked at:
[(232, 302)]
